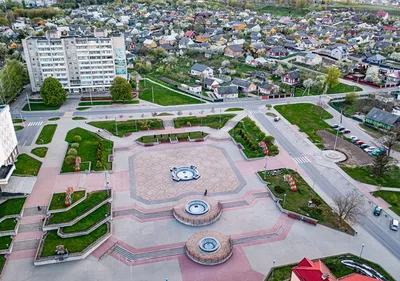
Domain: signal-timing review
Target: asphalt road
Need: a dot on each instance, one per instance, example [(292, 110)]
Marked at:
[(26, 136), (378, 227)]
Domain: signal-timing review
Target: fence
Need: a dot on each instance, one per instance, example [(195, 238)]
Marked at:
[(360, 81)]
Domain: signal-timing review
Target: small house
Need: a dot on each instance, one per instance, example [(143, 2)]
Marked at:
[(233, 51), (376, 59), (276, 52), (382, 119), (210, 83), (291, 78), (226, 92), (244, 85), (308, 58), (201, 69)]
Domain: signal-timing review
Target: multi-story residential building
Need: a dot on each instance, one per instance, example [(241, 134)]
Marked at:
[(8, 144), (80, 64), (35, 3)]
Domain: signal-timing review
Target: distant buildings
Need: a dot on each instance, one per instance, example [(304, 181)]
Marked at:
[(80, 64), (8, 144), (35, 3)]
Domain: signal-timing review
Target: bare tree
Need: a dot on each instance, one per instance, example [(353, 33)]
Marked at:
[(349, 206), (380, 166), (391, 139)]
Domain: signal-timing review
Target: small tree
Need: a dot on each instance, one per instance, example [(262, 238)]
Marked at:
[(121, 89), (380, 166), (391, 139), (279, 70), (350, 98), (268, 106), (372, 75), (332, 78), (52, 92), (348, 206)]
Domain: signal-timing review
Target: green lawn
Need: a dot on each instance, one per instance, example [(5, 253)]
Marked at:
[(2, 262), (5, 242), (307, 117), (47, 133), (391, 197), (18, 128), (216, 121), (54, 118), (254, 134), (90, 220), (339, 88), (375, 133), (26, 166), (270, 114), (128, 126), (40, 151), (93, 199), (163, 96), (334, 265), (283, 11), (96, 103), (8, 224), (298, 201), (12, 206), (363, 174), (79, 118), (74, 244), (234, 109), (166, 137), (87, 150), (17, 120), (58, 200), (40, 106)]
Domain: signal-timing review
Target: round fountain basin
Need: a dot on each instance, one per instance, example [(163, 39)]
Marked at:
[(209, 244), (185, 174), (197, 207)]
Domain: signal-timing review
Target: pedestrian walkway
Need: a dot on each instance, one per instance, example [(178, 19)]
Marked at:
[(301, 160), (37, 123)]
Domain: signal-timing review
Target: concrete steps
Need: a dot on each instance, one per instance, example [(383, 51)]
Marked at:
[(129, 256), (30, 227), (33, 211), (25, 245)]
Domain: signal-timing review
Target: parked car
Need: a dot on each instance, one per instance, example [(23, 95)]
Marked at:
[(377, 211), (276, 119), (359, 142), (364, 145), (346, 131), (334, 126), (340, 128), (379, 151), (394, 224), (353, 137), (369, 149), (354, 140)]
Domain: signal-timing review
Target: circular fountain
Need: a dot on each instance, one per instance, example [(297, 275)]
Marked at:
[(209, 247), (185, 173), (197, 210)]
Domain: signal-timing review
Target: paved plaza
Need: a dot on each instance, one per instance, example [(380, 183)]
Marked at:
[(147, 241)]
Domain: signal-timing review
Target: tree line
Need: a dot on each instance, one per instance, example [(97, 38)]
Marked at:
[(13, 77)]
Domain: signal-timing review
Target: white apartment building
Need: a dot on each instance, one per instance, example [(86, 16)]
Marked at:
[(8, 144), (35, 3), (80, 64)]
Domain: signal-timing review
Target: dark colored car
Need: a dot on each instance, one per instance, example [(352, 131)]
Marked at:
[(377, 211), (346, 131), (364, 145), (334, 126)]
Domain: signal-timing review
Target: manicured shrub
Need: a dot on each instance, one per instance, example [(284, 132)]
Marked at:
[(72, 151), (75, 145), (77, 138), (99, 164), (269, 140), (279, 189), (70, 159)]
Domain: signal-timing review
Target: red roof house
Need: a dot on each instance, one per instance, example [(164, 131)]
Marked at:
[(382, 15), (308, 270)]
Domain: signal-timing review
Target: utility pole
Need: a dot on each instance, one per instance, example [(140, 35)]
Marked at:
[(90, 93), (29, 104), (337, 133), (152, 93), (116, 126), (220, 119)]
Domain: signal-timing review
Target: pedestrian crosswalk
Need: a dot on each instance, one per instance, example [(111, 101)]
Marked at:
[(301, 160), (37, 123), (254, 112)]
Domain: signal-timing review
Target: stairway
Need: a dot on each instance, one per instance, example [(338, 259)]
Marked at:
[(168, 123), (25, 245), (33, 211), (30, 227), (129, 256)]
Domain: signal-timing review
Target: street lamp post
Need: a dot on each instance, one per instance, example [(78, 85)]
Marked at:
[(273, 266), (337, 133), (152, 93), (284, 199), (265, 168), (220, 119), (27, 99), (362, 249), (116, 126)]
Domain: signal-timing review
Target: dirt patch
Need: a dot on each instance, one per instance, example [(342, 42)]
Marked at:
[(355, 155)]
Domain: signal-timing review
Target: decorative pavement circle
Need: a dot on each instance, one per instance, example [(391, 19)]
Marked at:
[(334, 156), (197, 210), (209, 248)]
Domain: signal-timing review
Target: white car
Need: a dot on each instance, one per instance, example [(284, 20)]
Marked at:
[(370, 149), (353, 138), (394, 224)]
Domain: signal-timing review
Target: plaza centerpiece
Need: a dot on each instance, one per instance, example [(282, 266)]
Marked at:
[(197, 210), (185, 173), (209, 248)]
